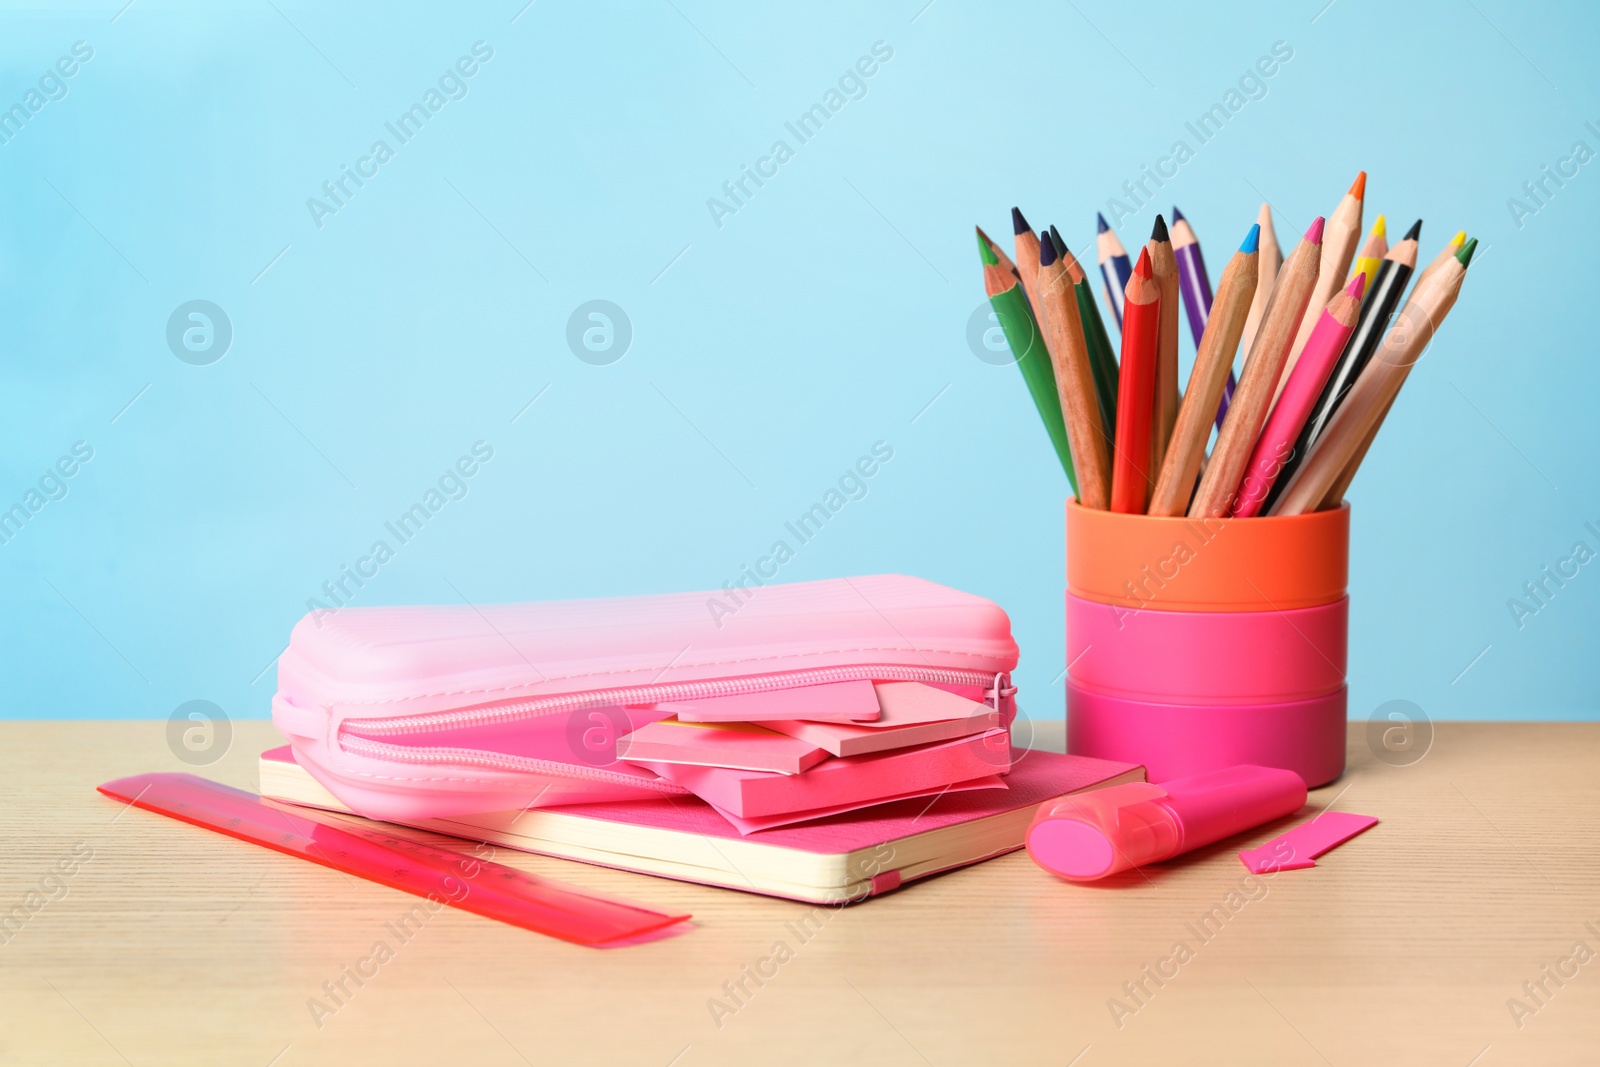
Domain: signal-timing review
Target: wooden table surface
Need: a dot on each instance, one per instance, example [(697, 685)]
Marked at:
[(171, 945)]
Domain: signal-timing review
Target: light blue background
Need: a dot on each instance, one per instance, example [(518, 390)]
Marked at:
[(769, 353)]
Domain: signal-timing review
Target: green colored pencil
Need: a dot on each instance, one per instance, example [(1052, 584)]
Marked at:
[(1027, 344)]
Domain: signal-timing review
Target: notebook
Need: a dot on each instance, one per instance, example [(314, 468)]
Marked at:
[(837, 860)]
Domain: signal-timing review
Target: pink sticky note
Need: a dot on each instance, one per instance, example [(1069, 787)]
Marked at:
[(831, 702), (913, 714), (1296, 849), (738, 745)]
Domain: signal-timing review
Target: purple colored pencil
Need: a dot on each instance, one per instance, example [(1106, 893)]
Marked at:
[(1195, 286)]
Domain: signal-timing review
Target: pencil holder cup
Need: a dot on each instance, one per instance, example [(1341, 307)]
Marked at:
[(1197, 644)]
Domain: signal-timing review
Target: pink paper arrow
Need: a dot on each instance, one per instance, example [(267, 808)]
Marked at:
[(1298, 848)]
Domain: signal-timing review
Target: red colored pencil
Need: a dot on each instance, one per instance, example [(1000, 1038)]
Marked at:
[(1136, 390)]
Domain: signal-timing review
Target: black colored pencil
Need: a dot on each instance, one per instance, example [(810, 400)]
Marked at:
[(1383, 298)]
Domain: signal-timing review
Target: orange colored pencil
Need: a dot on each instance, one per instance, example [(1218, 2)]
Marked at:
[(1355, 423), (1341, 236)]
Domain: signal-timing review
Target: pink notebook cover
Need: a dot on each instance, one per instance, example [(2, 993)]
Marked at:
[(735, 745), (833, 702), (1035, 777), (769, 822), (834, 782)]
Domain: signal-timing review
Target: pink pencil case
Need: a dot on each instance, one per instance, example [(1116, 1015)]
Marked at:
[(410, 713)]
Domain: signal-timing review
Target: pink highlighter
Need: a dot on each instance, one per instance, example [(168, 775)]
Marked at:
[(1092, 835)]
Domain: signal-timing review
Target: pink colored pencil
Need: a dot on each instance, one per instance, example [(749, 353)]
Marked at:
[(1276, 444)]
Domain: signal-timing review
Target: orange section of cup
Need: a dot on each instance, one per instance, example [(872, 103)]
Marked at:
[(1274, 563)]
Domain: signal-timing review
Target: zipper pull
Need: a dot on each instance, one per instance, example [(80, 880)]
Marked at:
[(1002, 689)]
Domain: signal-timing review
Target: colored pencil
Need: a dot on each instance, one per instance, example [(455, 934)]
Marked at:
[(1334, 326), (1026, 243), (1340, 237), (1381, 301), (1003, 259), (1213, 361), (1372, 252), (1101, 359), (1136, 391), (1069, 358), (1373, 394), (1195, 285), (1165, 268), (1268, 264), (1335, 494), (1445, 255), (1114, 266), (1027, 344), (1032, 360), (1259, 382)]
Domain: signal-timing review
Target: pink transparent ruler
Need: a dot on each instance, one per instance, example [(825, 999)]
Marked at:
[(482, 887)]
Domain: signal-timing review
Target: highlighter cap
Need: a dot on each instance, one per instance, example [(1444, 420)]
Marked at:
[(1103, 832)]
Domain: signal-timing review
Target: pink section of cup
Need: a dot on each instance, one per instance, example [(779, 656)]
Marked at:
[(1177, 740), (1211, 658)]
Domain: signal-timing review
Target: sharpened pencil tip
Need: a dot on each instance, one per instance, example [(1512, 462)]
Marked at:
[(1061, 246), (1459, 239), (1019, 225), (1314, 231), (1158, 232), (1358, 188), (986, 253), (1177, 216), (1142, 268), (1357, 286), (1101, 221), (1252, 240), (1415, 232), (1464, 257), (1381, 227), (1047, 252)]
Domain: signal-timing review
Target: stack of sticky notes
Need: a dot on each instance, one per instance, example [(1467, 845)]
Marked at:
[(772, 759)]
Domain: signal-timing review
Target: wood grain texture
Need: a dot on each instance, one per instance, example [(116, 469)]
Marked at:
[(1165, 267), (1340, 238), (176, 946), (1258, 385), (1270, 260), (1351, 430), (1341, 485), (1211, 365), (1027, 266), (1062, 326)]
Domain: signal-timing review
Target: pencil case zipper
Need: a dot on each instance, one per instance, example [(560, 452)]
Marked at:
[(363, 737)]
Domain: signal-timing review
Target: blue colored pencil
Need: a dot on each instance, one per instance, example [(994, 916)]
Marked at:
[(1115, 269)]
